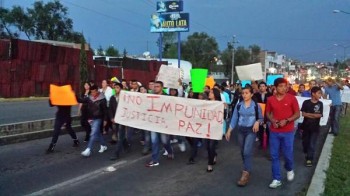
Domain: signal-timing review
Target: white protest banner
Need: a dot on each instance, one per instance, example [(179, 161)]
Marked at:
[(345, 96), (326, 109), (250, 72), (169, 76), (171, 115)]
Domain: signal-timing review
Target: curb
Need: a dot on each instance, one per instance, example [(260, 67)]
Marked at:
[(317, 185), (23, 99)]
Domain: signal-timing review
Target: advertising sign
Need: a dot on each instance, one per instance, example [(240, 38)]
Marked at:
[(169, 6), (172, 22)]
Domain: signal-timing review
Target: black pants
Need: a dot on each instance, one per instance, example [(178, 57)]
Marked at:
[(260, 135), (194, 146), (309, 141), (211, 148), (59, 122)]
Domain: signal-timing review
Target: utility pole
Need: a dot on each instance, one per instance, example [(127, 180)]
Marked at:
[(232, 45)]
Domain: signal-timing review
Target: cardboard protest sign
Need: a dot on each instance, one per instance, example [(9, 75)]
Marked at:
[(345, 96), (271, 79), (198, 79), (62, 95), (210, 82), (169, 76), (250, 72), (245, 82), (263, 106), (171, 115), (326, 109)]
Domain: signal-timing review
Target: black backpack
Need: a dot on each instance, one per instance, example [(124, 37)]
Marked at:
[(255, 107)]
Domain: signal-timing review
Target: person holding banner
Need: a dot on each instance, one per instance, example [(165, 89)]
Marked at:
[(119, 129), (333, 90), (214, 95), (248, 117), (282, 110), (97, 106), (155, 137)]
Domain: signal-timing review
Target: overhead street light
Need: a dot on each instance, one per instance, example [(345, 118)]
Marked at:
[(340, 11), (344, 47)]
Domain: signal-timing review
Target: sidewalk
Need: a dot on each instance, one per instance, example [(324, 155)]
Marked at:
[(26, 163)]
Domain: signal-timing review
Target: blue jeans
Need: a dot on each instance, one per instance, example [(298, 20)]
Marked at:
[(95, 133), (334, 115), (155, 137), (283, 141), (246, 139)]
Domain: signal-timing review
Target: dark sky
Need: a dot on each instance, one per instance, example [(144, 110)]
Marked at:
[(302, 29)]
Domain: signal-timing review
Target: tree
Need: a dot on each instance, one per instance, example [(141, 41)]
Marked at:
[(125, 53), (100, 51), (254, 53), (111, 51), (5, 24), (200, 49), (84, 73), (43, 21), (171, 51)]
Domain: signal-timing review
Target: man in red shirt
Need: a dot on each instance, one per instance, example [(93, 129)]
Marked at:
[(282, 110)]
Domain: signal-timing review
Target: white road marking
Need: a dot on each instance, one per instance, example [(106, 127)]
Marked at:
[(83, 178)]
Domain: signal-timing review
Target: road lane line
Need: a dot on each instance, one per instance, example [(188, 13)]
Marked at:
[(86, 177)]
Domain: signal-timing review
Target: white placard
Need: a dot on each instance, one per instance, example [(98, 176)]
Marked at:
[(326, 109), (169, 76), (250, 72), (345, 96), (171, 115)]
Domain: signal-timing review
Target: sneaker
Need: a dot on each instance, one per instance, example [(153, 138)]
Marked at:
[(182, 146), (165, 153), (102, 149), (308, 163), (152, 164), (86, 152), (114, 157), (275, 183), (76, 143), (51, 148), (290, 175)]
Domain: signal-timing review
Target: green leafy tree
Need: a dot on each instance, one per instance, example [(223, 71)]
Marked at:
[(84, 73), (254, 53), (5, 24), (111, 51), (100, 51), (200, 49), (125, 53), (22, 21)]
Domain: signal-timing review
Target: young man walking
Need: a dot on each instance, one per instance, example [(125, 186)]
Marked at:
[(312, 110), (282, 110)]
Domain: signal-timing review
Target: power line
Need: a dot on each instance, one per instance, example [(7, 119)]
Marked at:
[(105, 15)]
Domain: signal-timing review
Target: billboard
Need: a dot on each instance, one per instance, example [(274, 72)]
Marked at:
[(170, 22), (271, 78), (169, 6)]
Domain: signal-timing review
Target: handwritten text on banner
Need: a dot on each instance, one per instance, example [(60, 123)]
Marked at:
[(171, 115)]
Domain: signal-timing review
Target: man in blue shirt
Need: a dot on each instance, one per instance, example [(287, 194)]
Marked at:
[(333, 90)]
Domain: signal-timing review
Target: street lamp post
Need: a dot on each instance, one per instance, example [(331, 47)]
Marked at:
[(340, 11), (344, 47), (232, 43)]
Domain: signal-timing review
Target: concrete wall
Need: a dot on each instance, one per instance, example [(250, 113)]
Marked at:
[(30, 130)]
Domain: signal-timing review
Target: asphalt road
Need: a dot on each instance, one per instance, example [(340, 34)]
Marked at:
[(26, 169), (19, 111)]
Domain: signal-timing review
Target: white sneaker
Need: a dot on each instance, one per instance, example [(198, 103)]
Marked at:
[(165, 153), (290, 175), (102, 149), (86, 152), (275, 183), (182, 146)]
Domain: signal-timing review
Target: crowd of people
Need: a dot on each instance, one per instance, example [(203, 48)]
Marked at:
[(242, 112)]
